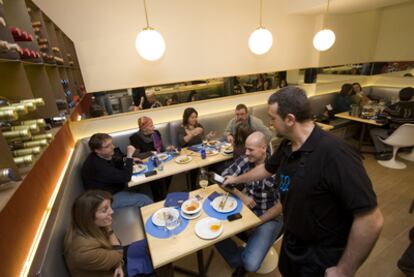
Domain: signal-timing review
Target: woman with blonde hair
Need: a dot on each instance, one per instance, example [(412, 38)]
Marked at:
[(91, 246)]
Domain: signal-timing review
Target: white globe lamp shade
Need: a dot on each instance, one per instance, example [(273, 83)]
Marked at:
[(260, 41), (324, 40), (150, 44)]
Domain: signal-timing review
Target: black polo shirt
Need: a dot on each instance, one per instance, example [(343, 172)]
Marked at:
[(322, 185)]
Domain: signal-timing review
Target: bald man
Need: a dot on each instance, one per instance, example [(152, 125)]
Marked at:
[(262, 198)]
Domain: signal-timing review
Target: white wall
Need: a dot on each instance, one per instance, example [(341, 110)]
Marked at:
[(396, 34), (208, 38)]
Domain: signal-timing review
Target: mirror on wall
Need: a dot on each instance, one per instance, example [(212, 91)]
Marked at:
[(151, 97)]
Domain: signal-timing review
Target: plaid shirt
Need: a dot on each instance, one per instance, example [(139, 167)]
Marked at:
[(264, 192)]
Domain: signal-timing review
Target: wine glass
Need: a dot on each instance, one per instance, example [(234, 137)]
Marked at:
[(171, 222), (203, 180)]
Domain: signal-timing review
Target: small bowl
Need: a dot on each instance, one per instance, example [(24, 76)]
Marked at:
[(191, 206)]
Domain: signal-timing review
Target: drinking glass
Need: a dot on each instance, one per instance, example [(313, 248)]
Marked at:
[(203, 180), (171, 222)]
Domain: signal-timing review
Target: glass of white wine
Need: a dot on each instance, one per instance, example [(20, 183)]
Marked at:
[(203, 180)]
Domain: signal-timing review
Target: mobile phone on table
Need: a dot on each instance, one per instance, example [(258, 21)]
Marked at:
[(220, 180), (217, 178), (150, 173), (233, 217)]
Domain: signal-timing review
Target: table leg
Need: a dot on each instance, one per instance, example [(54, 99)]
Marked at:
[(202, 268), (361, 136)]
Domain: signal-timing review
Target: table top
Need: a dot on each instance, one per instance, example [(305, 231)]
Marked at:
[(346, 115), (165, 251), (325, 127), (172, 168)]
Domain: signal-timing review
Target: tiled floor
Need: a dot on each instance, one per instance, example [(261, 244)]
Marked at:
[(395, 191)]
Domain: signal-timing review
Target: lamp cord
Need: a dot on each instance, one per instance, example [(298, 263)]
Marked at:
[(327, 7), (146, 14), (260, 15)]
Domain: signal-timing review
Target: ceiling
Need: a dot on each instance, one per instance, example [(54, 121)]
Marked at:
[(312, 7)]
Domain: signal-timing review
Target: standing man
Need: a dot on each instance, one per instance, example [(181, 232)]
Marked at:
[(242, 115), (262, 198), (105, 170), (329, 207)]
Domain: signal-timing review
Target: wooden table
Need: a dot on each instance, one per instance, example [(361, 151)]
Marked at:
[(325, 127), (165, 251), (364, 122), (172, 168)]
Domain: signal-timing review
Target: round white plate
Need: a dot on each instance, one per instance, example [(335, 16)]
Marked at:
[(162, 156), (190, 216), (137, 168), (204, 230), (188, 203), (158, 216), (211, 152), (231, 204), (183, 159), (226, 153)]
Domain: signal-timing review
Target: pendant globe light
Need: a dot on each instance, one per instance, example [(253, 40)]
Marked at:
[(261, 40), (149, 43), (324, 39)]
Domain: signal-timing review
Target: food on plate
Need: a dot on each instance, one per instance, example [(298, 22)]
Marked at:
[(184, 159), (212, 142), (215, 227), (191, 207)]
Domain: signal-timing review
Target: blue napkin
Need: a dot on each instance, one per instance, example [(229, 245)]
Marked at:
[(138, 260), (195, 148), (175, 199)]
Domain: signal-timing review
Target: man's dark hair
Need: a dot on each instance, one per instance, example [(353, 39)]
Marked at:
[(242, 106), (406, 94), (291, 100), (96, 140)]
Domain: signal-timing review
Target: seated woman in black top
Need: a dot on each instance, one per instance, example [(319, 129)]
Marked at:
[(191, 132), (147, 139)]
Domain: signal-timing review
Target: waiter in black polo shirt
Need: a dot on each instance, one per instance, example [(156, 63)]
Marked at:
[(330, 210)]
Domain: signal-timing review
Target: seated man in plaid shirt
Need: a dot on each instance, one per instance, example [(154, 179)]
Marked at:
[(262, 198)]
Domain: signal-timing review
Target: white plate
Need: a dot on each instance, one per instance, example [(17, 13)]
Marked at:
[(188, 203), (158, 216), (203, 228), (226, 153), (231, 204), (183, 159), (190, 216), (162, 156), (211, 152), (137, 168)]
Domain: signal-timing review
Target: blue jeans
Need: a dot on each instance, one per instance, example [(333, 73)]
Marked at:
[(129, 199), (104, 101), (258, 244)]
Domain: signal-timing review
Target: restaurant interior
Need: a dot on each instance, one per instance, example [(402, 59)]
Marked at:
[(69, 69)]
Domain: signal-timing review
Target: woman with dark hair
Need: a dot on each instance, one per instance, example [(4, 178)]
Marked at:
[(91, 246), (358, 96), (343, 100), (140, 98), (191, 132)]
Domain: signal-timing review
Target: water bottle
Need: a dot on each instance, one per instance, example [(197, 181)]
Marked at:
[(203, 153), (155, 162)]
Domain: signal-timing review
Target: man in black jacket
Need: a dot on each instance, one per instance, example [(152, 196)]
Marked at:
[(106, 170)]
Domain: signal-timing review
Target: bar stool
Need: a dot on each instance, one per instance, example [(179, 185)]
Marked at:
[(402, 137)]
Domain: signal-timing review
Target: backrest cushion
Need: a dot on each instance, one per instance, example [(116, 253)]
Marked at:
[(52, 263)]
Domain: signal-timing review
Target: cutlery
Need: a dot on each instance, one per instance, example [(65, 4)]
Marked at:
[(223, 202)]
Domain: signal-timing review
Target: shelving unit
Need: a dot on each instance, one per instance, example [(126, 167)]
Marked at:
[(47, 69)]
